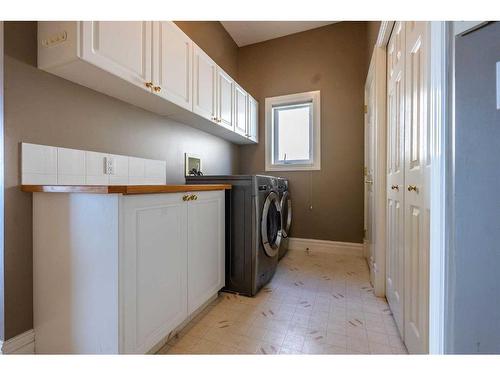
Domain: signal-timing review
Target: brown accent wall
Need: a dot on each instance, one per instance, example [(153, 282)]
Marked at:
[(213, 38), (42, 108), (331, 59)]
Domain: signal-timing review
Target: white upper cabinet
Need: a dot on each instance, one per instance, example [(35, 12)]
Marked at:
[(119, 47), (240, 110), (225, 98), (253, 119), (172, 64), (204, 84), (152, 65)]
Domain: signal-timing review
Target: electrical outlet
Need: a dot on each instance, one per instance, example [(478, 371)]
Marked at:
[(109, 165)]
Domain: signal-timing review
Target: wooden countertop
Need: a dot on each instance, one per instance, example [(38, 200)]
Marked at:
[(121, 189)]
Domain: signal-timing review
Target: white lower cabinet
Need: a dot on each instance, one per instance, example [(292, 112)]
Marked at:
[(119, 273), (154, 272), (206, 262)]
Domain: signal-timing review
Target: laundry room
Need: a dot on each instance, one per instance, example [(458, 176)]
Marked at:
[(233, 186)]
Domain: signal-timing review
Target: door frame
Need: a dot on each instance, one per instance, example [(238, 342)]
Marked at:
[(441, 173), (377, 74)]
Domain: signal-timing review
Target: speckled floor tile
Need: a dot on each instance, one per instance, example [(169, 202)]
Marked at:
[(317, 303)]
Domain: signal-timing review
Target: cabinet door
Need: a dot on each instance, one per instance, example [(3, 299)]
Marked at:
[(172, 64), (121, 48), (206, 262), (225, 97), (153, 269), (253, 119), (204, 84), (240, 110)]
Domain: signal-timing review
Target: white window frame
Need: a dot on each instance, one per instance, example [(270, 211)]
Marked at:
[(314, 98)]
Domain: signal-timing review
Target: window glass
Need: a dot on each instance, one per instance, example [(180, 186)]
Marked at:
[(292, 133)]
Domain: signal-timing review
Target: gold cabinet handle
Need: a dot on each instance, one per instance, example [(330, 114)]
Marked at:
[(412, 188), (395, 187), (149, 85), (157, 88), (193, 197), (185, 198)]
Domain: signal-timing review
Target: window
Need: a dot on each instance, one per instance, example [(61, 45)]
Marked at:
[(293, 132)]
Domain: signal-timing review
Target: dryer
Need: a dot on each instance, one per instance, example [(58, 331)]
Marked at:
[(286, 215), (253, 229)]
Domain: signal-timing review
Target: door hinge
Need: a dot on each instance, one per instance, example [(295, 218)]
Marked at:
[(366, 108), (364, 234)]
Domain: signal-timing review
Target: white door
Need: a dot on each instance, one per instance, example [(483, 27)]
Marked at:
[(153, 269), (416, 205), (253, 119), (119, 47), (172, 64), (370, 175), (206, 252), (204, 84), (225, 97), (240, 110), (395, 173)]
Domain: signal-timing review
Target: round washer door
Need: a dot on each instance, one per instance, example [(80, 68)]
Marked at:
[(286, 213), (271, 225)]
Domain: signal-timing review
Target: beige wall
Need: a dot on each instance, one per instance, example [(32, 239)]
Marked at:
[(213, 38), (42, 108), (331, 59)]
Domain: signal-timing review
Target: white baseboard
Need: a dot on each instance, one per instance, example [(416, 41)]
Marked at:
[(21, 344), (332, 247)]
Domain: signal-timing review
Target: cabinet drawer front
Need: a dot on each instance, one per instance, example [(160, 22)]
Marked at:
[(119, 47), (154, 267)]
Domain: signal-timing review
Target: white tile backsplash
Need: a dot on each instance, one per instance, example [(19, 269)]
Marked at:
[(70, 166), (136, 171), (120, 175), (38, 164), (47, 165), (95, 171)]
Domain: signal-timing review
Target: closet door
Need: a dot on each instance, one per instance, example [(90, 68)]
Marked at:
[(395, 172), (417, 212)]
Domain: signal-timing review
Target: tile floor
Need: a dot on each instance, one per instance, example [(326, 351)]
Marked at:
[(317, 303)]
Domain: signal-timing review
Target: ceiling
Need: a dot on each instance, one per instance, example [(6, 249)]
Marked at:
[(249, 32)]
